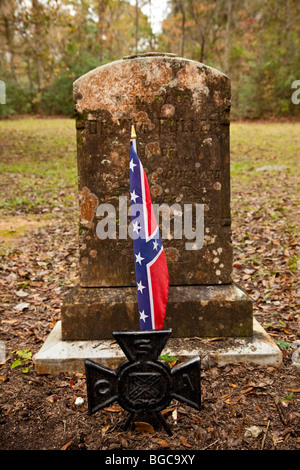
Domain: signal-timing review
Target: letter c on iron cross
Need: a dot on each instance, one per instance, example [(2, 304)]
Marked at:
[(102, 387)]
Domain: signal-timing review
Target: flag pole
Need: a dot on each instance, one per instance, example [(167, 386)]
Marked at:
[(133, 137)]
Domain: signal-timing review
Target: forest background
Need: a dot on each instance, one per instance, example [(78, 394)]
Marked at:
[(47, 44)]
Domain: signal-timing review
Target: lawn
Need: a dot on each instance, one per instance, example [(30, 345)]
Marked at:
[(38, 165), (265, 213)]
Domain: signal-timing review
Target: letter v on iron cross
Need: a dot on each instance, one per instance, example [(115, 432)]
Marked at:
[(143, 384)]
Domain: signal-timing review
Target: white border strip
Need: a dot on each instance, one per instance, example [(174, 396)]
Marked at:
[(150, 287), (145, 211)]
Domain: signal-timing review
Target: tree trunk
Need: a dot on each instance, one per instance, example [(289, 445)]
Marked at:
[(227, 36), (136, 26), (37, 41), (101, 27), (10, 47)]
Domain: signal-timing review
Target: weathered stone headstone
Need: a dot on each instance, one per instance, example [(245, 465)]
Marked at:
[(180, 109)]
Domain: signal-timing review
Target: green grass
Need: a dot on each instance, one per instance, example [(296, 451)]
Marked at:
[(37, 164), (255, 145), (265, 172)]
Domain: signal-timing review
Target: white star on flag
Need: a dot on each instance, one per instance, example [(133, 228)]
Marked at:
[(155, 245), (136, 227), (132, 165), (143, 316), (139, 259), (134, 196), (140, 286)]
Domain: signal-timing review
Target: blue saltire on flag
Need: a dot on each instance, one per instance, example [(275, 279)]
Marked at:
[(152, 278)]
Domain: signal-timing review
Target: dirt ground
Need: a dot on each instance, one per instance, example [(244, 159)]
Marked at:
[(244, 407), (241, 410)]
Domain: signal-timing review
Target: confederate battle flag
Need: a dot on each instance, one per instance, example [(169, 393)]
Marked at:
[(152, 278)]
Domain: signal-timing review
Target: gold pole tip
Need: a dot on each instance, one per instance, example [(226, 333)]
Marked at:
[(133, 134)]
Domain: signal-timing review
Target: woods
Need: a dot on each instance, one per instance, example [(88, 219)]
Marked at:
[(47, 44), (256, 43)]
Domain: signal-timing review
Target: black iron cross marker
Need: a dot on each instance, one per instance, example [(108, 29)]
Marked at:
[(143, 385)]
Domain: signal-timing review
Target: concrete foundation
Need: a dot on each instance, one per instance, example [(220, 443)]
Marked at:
[(202, 311), (57, 355)]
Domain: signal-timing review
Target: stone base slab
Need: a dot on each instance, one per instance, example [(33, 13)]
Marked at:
[(203, 310), (57, 355)]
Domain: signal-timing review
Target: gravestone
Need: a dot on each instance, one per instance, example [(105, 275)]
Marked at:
[(180, 109)]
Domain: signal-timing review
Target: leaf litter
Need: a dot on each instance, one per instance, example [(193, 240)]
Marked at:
[(40, 267)]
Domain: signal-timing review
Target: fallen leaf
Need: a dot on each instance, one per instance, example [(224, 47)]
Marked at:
[(113, 409), (237, 266), (247, 390), (20, 307), (184, 442), (256, 383), (227, 395), (144, 427), (234, 400), (161, 442), (253, 432), (197, 419), (168, 411), (249, 271), (104, 429), (65, 446), (210, 340), (21, 293)]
